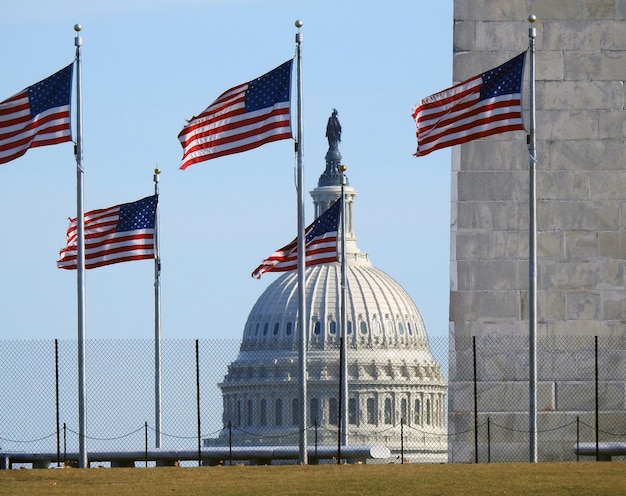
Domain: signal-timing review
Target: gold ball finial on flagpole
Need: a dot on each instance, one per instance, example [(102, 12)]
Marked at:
[(299, 23), (532, 18), (77, 27), (157, 171), (343, 168)]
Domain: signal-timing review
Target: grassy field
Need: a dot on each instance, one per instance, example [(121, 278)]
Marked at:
[(552, 479)]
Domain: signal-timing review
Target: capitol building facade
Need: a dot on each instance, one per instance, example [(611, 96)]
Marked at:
[(396, 390)]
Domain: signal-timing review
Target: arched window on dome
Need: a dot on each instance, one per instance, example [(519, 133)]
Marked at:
[(332, 411), (263, 412), (352, 415), (315, 410), (404, 410), (278, 412), (428, 412), (289, 328), (266, 328), (408, 324), (388, 412), (332, 328), (378, 327), (388, 328), (400, 328), (418, 412), (363, 326), (372, 411), (256, 329), (349, 327), (317, 328), (438, 420), (276, 328)]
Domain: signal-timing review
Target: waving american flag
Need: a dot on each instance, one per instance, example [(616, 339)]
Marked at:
[(487, 104), (320, 245), (242, 118)]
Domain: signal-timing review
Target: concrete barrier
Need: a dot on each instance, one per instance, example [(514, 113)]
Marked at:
[(606, 450), (257, 455)]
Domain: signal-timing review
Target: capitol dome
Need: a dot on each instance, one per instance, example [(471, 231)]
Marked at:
[(395, 389)]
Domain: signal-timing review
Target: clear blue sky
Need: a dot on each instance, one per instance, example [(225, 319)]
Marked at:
[(148, 65)]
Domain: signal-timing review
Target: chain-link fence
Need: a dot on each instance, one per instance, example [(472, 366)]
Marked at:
[(210, 397), (39, 394), (580, 392)]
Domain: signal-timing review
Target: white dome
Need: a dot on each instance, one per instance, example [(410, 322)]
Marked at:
[(393, 380), (380, 313)]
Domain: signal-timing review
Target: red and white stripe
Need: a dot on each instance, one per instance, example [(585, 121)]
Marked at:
[(321, 249), (458, 115), (103, 245), (20, 131), (225, 127)]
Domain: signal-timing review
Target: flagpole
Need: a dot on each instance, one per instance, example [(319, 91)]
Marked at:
[(302, 331), (532, 251), (343, 423), (157, 320), (80, 260)]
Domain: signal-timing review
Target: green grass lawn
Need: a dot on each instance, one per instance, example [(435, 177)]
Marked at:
[(579, 479)]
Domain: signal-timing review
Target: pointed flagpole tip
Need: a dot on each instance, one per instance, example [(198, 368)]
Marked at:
[(299, 23), (77, 27), (532, 18)]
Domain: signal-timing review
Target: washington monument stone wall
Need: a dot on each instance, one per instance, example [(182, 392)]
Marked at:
[(581, 220)]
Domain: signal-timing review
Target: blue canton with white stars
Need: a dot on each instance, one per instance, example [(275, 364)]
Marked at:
[(269, 89), (503, 80), (54, 91), (327, 222), (137, 215)]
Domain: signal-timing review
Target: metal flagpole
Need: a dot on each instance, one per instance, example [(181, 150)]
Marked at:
[(532, 250), (80, 260), (302, 331), (343, 422), (157, 321)]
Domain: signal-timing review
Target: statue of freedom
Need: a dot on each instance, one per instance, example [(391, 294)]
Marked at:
[(333, 131)]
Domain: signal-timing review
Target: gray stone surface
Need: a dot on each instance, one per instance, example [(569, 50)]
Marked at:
[(581, 238)]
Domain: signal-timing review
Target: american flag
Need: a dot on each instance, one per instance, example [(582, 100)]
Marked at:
[(242, 118), (36, 116), (117, 234), (320, 245), (487, 104)]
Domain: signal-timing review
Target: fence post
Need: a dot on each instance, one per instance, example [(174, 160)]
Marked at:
[(145, 440), (64, 442), (402, 440), (488, 439), (56, 385), (198, 403), (577, 437), (597, 401), (475, 401)]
